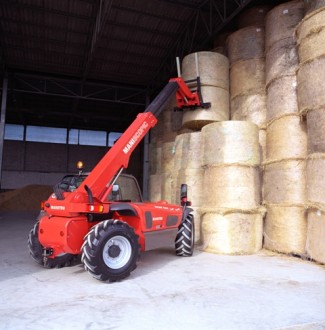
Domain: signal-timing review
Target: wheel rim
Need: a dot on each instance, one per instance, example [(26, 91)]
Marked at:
[(117, 252)]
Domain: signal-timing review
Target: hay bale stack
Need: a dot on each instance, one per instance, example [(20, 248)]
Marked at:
[(220, 42), (155, 187), (247, 75), (311, 99), (188, 169), (232, 233), (315, 245), (231, 188), (286, 135), (214, 75), (254, 16)]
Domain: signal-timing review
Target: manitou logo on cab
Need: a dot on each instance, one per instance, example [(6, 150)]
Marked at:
[(135, 137)]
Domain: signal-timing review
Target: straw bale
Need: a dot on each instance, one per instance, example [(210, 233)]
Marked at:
[(197, 224), (316, 130), (312, 46), (250, 108), (220, 49), (233, 233), (221, 39), (247, 77), (315, 236), (262, 144), (281, 60), (178, 151), (286, 137), (219, 110), (282, 20), (312, 5), (285, 229), (310, 90), (231, 186), (281, 97), (246, 43), (213, 69), (254, 16), (155, 158), (167, 187), (155, 187), (285, 182), (231, 142), (192, 151), (311, 24), (194, 180), (316, 178), (167, 157)]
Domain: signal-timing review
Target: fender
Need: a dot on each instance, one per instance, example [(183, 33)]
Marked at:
[(186, 212), (123, 209)]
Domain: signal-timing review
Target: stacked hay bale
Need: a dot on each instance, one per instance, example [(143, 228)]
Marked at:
[(311, 99), (254, 16), (232, 221), (188, 167), (213, 69), (219, 43), (286, 136), (247, 77)]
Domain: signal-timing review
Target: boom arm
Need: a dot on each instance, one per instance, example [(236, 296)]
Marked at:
[(99, 182)]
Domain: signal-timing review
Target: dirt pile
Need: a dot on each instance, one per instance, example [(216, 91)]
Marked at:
[(27, 198)]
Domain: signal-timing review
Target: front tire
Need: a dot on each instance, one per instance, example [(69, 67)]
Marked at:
[(184, 242), (36, 251), (110, 251)]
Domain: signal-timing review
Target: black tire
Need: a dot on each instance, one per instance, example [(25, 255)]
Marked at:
[(110, 251), (36, 251), (184, 242)]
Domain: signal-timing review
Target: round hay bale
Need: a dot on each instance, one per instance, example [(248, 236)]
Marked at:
[(315, 245), (281, 97), (316, 178), (285, 229), (178, 151), (213, 69), (155, 187), (156, 133), (310, 90), (254, 16), (234, 233), (192, 152), (231, 142), (311, 24), (262, 144), (286, 137), (154, 158), (167, 157), (281, 60), (220, 40), (285, 182), (246, 44), (282, 20), (220, 50), (167, 187), (219, 110), (247, 77), (232, 186), (312, 5), (194, 180), (316, 130), (313, 45), (197, 224), (250, 108)]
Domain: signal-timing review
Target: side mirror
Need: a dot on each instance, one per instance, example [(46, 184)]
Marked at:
[(184, 200)]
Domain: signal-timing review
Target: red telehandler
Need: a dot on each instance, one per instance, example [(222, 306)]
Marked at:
[(102, 216)]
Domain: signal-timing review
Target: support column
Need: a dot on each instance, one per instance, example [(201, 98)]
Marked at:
[(3, 119)]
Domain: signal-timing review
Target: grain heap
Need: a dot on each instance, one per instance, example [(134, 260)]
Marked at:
[(254, 16), (232, 219), (213, 69), (286, 136), (311, 100)]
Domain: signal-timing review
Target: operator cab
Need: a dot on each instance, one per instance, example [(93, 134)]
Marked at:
[(125, 189)]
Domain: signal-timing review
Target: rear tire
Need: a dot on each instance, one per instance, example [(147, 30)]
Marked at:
[(36, 251), (110, 251), (184, 242)]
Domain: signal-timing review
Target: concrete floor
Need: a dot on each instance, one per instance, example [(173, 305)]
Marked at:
[(206, 291)]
